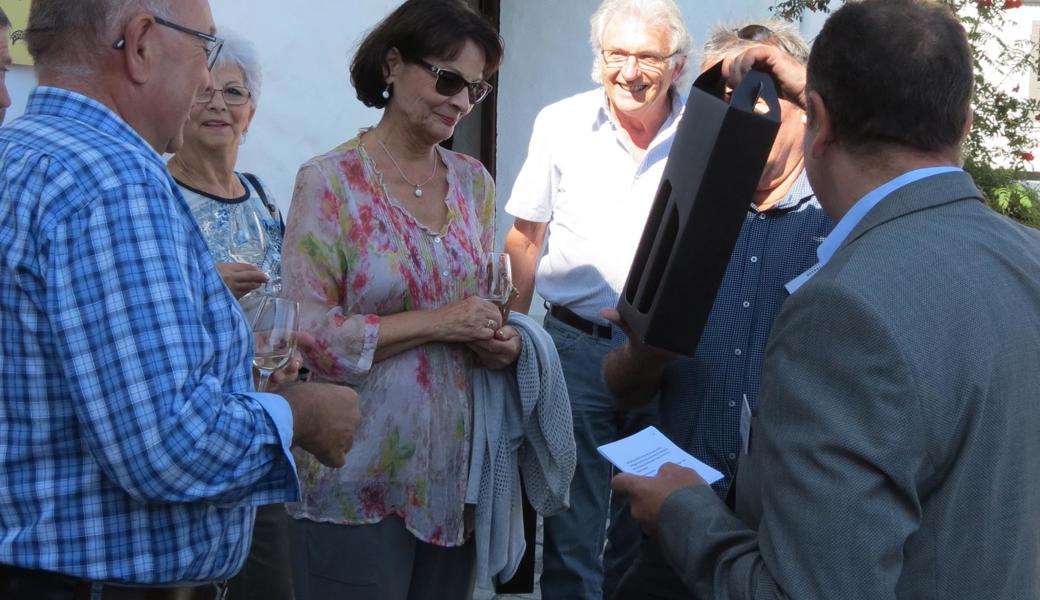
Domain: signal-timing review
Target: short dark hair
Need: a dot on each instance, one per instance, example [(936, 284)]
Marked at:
[(420, 29), (894, 72), (5, 23)]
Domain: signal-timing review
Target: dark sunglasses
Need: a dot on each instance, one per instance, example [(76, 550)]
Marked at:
[(755, 33), (449, 83)]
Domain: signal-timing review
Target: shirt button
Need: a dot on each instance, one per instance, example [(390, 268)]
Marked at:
[(732, 456), (747, 304), (737, 352), (732, 403), (437, 239), (444, 273), (754, 259), (762, 216)]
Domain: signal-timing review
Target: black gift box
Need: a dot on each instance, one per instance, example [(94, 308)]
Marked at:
[(713, 169)]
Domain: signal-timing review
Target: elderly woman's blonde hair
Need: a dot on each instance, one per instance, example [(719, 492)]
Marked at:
[(652, 13)]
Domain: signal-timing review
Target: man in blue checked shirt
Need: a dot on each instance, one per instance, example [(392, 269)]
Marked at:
[(132, 447)]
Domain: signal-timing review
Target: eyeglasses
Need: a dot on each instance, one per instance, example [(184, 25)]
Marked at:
[(450, 83), (754, 33), (233, 95), (212, 47), (646, 61)]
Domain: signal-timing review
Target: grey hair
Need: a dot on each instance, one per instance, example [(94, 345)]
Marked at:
[(70, 35), (723, 40), (241, 53), (652, 13)]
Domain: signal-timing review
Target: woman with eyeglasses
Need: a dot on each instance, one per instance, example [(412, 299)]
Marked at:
[(384, 241), (204, 168)]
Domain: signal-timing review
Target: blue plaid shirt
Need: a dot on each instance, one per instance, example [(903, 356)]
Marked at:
[(701, 396), (124, 454)]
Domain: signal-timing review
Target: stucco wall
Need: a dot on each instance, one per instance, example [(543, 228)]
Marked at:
[(308, 105)]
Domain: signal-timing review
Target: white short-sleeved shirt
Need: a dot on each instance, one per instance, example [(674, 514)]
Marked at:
[(580, 178)]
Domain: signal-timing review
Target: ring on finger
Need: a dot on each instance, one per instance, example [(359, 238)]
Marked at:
[(492, 324)]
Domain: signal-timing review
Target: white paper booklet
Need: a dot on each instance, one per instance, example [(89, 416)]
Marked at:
[(643, 454)]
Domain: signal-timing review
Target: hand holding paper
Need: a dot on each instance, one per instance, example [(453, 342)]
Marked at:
[(649, 475), (643, 454)]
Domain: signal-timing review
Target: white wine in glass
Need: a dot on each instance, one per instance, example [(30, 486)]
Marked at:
[(247, 239), (274, 324)]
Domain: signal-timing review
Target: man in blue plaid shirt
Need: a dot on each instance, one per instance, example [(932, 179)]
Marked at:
[(132, 447)]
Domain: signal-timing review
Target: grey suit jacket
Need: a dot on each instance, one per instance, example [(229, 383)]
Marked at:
[(895, 452)]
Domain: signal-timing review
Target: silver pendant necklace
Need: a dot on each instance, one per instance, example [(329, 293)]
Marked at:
[(418, 186)]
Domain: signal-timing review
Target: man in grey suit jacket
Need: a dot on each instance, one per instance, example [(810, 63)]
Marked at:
[(895, 452)]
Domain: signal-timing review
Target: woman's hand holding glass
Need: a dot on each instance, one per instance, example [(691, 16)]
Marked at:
[(241, 278), (247, 245), (495, 283), (466, 320)]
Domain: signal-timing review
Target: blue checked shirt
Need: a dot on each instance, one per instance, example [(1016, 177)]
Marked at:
[(124, 453), (701, 397)]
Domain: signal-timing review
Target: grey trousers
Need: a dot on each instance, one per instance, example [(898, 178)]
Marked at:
[(265, 575), (382, 561)]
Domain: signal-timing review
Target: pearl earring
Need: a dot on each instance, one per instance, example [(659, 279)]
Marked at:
[(386, 93)]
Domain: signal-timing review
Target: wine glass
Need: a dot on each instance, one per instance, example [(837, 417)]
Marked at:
[(274, 322), (496, 278), (247, 239)]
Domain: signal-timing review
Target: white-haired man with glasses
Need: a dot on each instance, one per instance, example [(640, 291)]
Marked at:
[(132, 446), (705, 400), (592, 170)]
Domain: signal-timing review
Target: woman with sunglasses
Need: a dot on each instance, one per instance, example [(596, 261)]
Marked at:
[(384, 241)]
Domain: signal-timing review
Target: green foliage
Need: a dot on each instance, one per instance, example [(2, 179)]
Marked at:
[(1005, 192), (1005, 127)]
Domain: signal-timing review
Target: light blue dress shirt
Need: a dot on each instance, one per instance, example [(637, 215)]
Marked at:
[(856, 214)]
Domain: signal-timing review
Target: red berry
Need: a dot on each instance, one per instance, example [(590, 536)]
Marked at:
[(984, 3), (1027, 156)]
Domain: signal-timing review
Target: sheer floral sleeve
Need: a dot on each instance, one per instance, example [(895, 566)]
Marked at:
[(319, 270)]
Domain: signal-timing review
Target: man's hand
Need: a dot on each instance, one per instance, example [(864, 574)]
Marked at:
[(291, 371), (325, 419), (647, 494), (633, 371), (241, 278), (788, 73)]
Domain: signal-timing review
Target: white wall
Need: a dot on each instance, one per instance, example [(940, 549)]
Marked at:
[(308, 106)]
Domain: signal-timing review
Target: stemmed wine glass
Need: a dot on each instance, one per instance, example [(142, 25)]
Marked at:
[(247, 239), (496, 280), (274, 322)]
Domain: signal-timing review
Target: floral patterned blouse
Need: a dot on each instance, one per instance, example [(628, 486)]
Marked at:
[(351, 254)]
